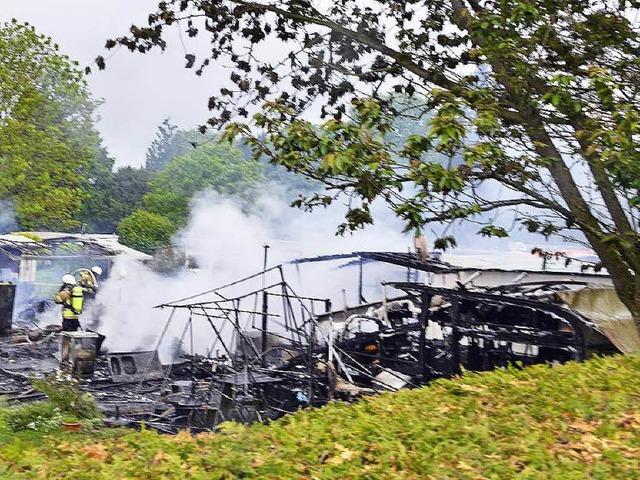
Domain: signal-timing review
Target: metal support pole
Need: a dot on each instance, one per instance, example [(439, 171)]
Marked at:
[(265, 321), (191, 351), (455, 336), (344, 301), (424, 318), (265, 311), (264, 264), (360, 296), (312, 367)]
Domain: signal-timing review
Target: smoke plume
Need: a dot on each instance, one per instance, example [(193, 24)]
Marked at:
[(227, 244)]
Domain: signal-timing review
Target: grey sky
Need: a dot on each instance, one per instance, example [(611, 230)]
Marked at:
[(139, 90)]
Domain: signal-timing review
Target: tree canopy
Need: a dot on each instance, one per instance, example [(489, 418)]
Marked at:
[(210, 166), (114, 196), (166, 205), (538, 96), (165, 146), (50, 152), (145, 231)]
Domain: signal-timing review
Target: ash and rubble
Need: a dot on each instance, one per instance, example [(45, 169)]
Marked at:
[(272, 350), (34, 262)]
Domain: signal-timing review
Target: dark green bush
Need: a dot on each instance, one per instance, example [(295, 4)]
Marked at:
[(146, 231)]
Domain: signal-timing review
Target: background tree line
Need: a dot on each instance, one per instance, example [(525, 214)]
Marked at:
[(56, 175), (50, 152)]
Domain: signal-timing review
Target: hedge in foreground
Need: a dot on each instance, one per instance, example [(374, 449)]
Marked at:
[(572, 421)]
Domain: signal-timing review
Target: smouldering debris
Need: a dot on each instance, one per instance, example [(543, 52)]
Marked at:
[(272, 351)]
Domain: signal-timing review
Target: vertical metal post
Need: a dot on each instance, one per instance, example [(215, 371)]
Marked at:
[(360, 297), (455, 336), (265, 321), (265, 311), (264, 264), (312, 367), (344, 301), (331, 334), (424, 317), (191, 351)]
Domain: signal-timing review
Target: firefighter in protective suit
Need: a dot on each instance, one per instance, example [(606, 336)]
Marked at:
[(70, 297)]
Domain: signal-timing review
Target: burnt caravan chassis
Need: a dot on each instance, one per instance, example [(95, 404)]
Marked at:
[(466, 318), (478, 331)]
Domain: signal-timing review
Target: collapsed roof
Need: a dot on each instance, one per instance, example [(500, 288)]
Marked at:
[(53, 245)]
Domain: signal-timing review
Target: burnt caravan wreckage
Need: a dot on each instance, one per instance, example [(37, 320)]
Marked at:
[(274, 351), (468, 318), (270, 351)]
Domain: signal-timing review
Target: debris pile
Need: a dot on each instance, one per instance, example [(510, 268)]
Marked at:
[(273, 351)]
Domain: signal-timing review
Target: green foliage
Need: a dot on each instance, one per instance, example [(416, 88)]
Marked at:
[(168, 144), (493, 231), (165, 200), (64, 394), (146, 231), (99, 188), (537, 100), (571, 421), (210, 166), (118, 195), (49, 149), (65, 401), (443, 243)]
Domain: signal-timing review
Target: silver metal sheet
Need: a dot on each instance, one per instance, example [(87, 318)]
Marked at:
[(134, 366)]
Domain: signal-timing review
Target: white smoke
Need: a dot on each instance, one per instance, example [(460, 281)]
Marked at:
[(228, 245)]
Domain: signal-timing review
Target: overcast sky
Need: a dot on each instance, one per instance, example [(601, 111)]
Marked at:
[(139, 90)]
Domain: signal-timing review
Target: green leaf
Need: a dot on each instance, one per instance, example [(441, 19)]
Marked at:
[(493, 231), (443, 243)]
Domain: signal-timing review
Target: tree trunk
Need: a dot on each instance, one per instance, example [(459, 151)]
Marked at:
[(633, 302)]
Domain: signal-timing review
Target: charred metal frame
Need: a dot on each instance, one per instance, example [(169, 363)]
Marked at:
[(291, 363), (574, 341)]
